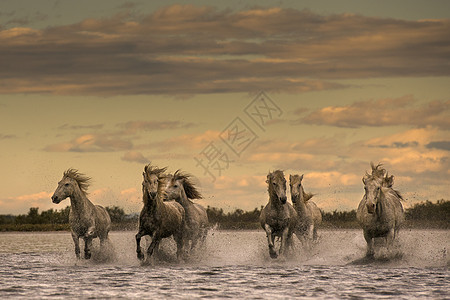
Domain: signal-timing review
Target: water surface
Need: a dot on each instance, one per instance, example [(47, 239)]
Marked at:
[(233, 264)]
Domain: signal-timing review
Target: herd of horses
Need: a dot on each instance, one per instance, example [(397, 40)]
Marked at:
[(169, 211)]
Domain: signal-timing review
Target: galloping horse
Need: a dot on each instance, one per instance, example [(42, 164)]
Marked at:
[(158, 219), (278, 218), (380, 212), (86, 220), (309, 215), (181, 189)]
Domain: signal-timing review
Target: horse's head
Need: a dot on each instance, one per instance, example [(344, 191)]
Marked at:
[(150, 184), (152, 177), (373, 184), (277, 186), (71, 181), (372, 189), (295, 183), (181, 186)]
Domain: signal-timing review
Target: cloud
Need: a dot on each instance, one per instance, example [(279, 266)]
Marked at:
[(36, 196), (185, 50), (7, 136), (77, 127), (91, 143), (134, 156), (195, 141), (382, 112), (135, 126), (442, 145)]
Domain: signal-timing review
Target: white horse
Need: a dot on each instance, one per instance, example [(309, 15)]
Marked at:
[(181, 189), (86, 220), (278, 218), (309, 215), (380, 213)]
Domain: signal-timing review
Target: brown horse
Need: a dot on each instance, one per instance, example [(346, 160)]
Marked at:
[(380, 212), (278, 218), (181, 189), (309, 215), (86, 220), (158, 219)]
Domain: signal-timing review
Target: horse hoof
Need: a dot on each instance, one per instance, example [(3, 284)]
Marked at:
[(273, 254), (140, 256), (87, 255)]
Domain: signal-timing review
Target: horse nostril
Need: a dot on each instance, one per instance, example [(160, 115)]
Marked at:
[(54, 199)]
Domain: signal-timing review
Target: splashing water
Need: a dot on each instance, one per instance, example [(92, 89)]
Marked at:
[(233, 264)]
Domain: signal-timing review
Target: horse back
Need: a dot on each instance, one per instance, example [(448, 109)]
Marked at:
[(202, 215), (315, 212), (103, 220)]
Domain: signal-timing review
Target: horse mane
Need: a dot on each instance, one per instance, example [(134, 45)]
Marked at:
[(149, 170), (82, 180), (307, 196), (189, 187), (380, 174), (377, 172), (276, 174)]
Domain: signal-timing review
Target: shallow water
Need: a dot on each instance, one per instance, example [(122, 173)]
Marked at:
[(233, 264)]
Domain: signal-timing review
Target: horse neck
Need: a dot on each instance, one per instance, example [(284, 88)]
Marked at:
[(150, 204), (274, 202), (184, 201), (381, 205), (301, 203), (79, 202)]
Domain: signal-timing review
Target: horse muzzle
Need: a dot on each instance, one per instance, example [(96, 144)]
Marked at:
[(55, 199), (370, 208), (283, 199)]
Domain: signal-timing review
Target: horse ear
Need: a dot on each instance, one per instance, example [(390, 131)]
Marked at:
[(390, 180), (301, 177), (290, 177)]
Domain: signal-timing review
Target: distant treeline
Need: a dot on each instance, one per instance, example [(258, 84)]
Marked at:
[(422, 215), (59, 220)]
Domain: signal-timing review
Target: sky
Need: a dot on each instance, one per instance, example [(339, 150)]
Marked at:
[(226, 91)]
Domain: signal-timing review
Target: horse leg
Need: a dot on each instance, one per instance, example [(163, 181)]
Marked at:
[(87, 247), (180, 247), (139, 253), (390, 240), (153, 245), (370, 251), (269, 234), (315, 233), (76, 241), (284, 241)]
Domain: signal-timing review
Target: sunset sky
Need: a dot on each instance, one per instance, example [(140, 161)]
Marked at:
[(226, 92)]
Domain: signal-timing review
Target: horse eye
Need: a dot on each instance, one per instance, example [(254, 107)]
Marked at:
[(175, 186), (66, 184)]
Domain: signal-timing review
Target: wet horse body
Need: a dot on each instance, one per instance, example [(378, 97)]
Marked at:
[(380, 213), (309, 215), (158, 219), (87, 221), (278, 218), (182, 190)]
